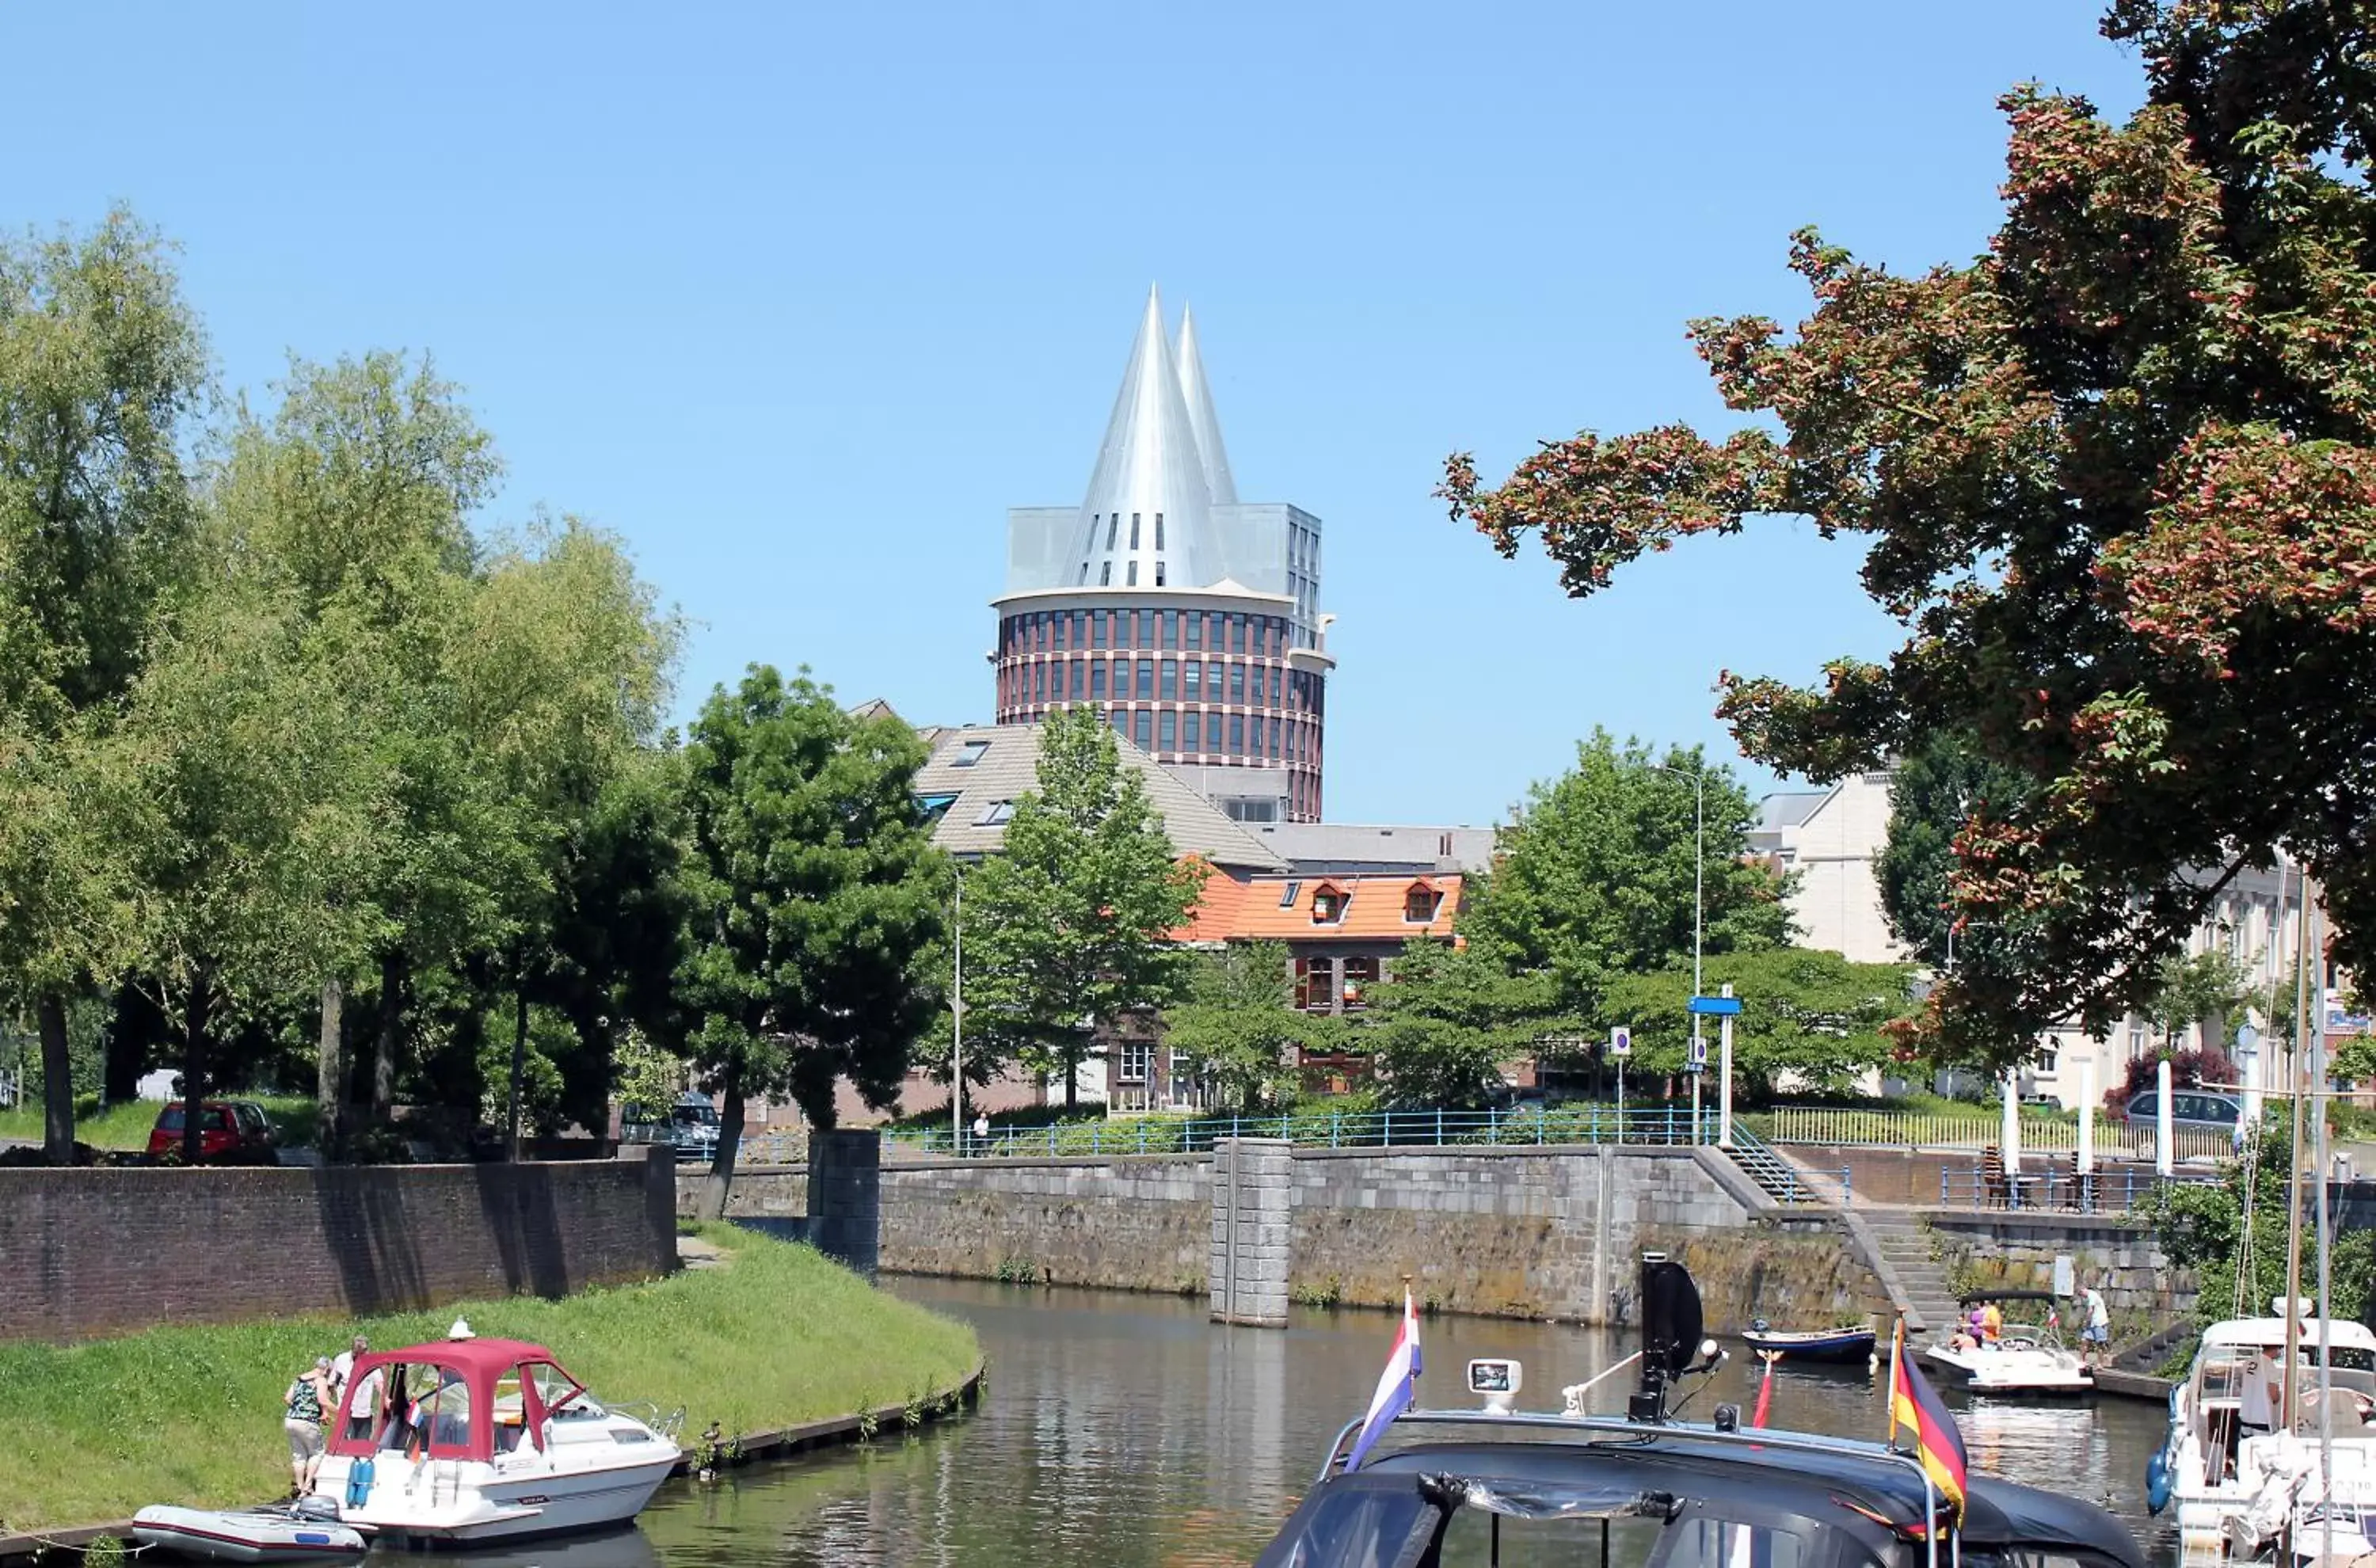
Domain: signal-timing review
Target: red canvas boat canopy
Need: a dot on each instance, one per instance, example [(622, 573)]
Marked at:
[(452, 1399)]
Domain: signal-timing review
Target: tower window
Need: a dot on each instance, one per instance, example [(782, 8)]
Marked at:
[(1114, 525), (1196, 630), (1145, 736), (1133, 581), (1085, 573), (1098, 679), (1194, 726), (1170, 688), (1145, 680), (1079, 666), (1105, 573), (1170, 730), (1195, 688), (1098, 629), (1134, 530), (1159, 574), (1158, 530)]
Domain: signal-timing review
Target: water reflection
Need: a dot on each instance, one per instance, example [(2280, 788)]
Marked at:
[(1127, 1430)]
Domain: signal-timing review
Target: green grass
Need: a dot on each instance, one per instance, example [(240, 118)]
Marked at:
[(126, 1125), (192, 1416)]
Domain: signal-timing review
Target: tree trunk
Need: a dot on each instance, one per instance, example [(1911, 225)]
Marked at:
[(193, 1063), (57, 1081), (128, 1044), (519, 1062), (1072, 1056), (730, 1141), (391, 1009), (330, 1068)]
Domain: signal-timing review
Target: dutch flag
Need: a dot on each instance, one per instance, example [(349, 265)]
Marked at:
[(1396, 1386)]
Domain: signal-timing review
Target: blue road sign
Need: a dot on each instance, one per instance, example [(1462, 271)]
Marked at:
[(1720, 1004), (1697, 1059), (1620, 1042)]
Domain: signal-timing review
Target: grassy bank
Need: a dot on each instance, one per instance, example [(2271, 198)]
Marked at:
[(127, 1124), (192, 1416)]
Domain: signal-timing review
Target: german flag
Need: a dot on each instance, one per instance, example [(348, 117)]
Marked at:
[(1915, 1406)]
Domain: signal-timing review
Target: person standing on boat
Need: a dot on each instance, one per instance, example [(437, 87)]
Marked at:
[(308, 1399), (2095, 1337), (1992, 1324), (342, 1368)]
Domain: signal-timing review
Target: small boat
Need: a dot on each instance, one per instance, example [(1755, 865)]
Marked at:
[(2023, 1359), (486, 1440), (2242, 1460), (1852, 1344), (246, 1534)]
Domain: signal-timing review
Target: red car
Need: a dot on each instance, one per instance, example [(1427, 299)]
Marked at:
[(230, 1132)]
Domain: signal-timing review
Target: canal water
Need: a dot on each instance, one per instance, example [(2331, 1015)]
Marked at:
[(1127, 1431)]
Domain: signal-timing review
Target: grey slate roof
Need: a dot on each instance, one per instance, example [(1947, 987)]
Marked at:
[(1317, 848), (1007, 767)]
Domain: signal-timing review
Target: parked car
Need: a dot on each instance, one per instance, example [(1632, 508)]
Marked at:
[(230, 1132), (693, 1128), (2188, 1108)]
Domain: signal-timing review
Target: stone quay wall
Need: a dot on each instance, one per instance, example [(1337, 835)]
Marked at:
[(2114, 1253), (1528, 1233), (98, 1251)]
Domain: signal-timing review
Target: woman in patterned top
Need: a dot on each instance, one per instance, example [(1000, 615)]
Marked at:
[(308, 1399)]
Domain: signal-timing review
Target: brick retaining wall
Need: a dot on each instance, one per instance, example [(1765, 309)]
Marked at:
[(92, 1251)]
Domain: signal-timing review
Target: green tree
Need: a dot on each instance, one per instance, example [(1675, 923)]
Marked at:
[(1069, 924), (1595, 879), (1441, 1033), (2241, 1268), (102, 365), (1935, 791), (2117, 476), (2212, 989), (1808, 1014), (814, 897), (1237, 1022)]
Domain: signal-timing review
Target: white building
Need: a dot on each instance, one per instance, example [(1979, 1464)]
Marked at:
[(1830, 840)]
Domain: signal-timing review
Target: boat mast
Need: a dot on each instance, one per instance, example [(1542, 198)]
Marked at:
[(2321, 1165)]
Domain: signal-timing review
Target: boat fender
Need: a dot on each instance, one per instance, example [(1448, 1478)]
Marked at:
[(360, 1475), (2158, 1481)]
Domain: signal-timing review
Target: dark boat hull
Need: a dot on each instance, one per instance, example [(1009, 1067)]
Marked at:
[(1843, 1345)]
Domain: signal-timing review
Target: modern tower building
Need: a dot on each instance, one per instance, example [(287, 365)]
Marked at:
[(1191, 617)]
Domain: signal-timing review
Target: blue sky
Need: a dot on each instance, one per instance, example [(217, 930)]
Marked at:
[(800, 300)]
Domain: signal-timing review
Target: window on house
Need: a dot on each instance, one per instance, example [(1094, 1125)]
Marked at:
[(1315, 984), (1194, 688), (1040, 682), (1274, 685), (1287, 895), (1170, 731), (1274, 740), (1121, 721), (1237, 683), (1080, 674), (1063, 628), (1133, 1061), (1360, 974), (1147, 680), (2048, 1060), (1237, 734), (1192, 737), (1328, 904), (1145, 730), (932, 808), (1237, 633), (995, 814), (1170, 621), (1134, 576), (1420, 904), (1134, 530), (1196, 630), (1170, 687), (1098, 679), (969, 753), (1098, 629)]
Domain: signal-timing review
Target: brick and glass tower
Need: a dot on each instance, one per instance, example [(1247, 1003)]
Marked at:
[(1190, 617)]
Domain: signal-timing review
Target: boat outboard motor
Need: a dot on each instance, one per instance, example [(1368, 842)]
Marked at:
[(1671, 1332)]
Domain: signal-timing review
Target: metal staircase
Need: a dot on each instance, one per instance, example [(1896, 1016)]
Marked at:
[(1776, 1177)]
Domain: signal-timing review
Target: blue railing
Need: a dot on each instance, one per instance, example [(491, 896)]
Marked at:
[(2114, 1189), (1659, 1124)]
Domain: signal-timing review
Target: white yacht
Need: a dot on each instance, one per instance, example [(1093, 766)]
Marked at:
[(485, 1440), (2023, 1359), (2243, 1458)]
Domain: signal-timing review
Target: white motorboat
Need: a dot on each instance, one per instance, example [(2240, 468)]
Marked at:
[(2023, 1358), (2242, 1457), (246, 1534), (486, 1440)]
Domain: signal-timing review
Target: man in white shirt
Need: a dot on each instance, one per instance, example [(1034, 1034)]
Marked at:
[(2095, 1335)]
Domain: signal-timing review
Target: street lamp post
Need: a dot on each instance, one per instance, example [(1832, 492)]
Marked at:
[(957, 1027), (1699, 913)]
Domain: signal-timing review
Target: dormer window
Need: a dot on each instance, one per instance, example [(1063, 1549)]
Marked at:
[(1420, 903), (1287, 895), (1328, 902), (996, 814), (969, 753)]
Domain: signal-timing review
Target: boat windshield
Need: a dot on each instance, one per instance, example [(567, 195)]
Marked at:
[(1457, 1522)]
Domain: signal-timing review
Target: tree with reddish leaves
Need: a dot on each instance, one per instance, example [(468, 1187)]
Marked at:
[(2118, 479)]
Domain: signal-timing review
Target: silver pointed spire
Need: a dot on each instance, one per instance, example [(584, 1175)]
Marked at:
[(1144, 523), (1197, 393)]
